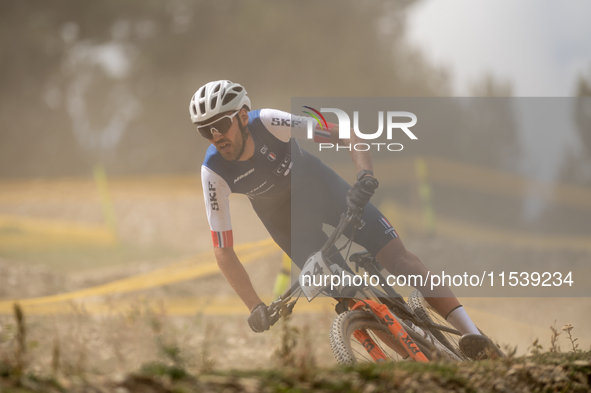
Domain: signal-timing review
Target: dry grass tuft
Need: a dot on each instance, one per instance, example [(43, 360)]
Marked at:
[(568, 328), (554, 347), (535, 348)]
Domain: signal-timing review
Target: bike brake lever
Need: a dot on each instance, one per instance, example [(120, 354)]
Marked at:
[(280, 309), (273, 318), (274, 311), (289, 308)]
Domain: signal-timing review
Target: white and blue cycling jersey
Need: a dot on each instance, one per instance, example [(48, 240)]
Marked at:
[(267, 175), (292, 204)]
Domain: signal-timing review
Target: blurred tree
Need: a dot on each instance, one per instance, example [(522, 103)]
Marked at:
[(491, 129), (491, 86), (479, 129), (581, 169), (583, 111), (111, 80), (584, 86)]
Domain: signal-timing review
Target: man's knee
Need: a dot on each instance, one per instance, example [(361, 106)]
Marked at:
[(398, 260)]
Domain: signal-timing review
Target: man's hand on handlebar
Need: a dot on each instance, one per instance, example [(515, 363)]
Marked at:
[(361, 192), (259, 318)]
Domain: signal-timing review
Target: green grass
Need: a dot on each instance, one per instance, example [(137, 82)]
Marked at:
[(545, 372)]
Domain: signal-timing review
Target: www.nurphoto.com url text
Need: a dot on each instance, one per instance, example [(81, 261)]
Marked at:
[(513, 279)]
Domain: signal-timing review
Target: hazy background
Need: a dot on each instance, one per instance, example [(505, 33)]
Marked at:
[(109, 82), (539, 47), (106, 84)]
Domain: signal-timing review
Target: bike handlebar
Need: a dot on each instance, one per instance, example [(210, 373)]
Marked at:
[(282, 306)]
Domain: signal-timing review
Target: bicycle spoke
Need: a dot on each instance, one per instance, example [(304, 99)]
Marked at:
[(379, 344), (447, 340), (363, 355), (388, 348)]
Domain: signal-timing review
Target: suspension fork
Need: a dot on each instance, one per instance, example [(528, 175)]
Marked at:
[(400, 335), (368, 343)]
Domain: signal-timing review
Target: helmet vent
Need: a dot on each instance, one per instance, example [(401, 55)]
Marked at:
[(229, 97), (216, 98)]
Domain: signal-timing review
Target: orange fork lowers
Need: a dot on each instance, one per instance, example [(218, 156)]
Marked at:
[(370, 346), (382, 311)]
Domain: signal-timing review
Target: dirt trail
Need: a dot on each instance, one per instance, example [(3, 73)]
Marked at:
[(159, 230)]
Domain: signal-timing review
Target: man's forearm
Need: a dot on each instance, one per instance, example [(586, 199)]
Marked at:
[(237, 276), (361, 159)]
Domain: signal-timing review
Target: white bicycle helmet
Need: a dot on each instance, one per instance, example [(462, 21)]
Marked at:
[(215, 98)]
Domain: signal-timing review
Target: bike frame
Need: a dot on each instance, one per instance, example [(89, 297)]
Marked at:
[(403, 344)]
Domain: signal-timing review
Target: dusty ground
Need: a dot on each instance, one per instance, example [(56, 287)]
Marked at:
[(158, 227)]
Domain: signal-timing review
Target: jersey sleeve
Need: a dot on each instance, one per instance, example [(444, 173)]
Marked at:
[(284, 126), (216, 193)]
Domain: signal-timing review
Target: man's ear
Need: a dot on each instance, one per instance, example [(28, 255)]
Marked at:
[(243, 114)]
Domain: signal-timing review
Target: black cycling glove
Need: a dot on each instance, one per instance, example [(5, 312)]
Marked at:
[(361, 192), (259, 319)]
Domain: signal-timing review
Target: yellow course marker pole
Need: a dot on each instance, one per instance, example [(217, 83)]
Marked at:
[(283, 278), (425, 195), (100, 177)]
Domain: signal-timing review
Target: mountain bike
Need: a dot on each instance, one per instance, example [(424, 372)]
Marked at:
[(373, 324)]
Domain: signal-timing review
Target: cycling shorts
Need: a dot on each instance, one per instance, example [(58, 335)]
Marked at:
[(296, 224)]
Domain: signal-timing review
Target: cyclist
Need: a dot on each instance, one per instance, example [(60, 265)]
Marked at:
[(254, 152)]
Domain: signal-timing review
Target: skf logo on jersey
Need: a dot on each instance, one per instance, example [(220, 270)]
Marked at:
[(213, 200), (272, 156), (264, 149), (284, 122), (318, 119), (389, 229)]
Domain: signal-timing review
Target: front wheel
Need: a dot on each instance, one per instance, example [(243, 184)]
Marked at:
[(359, 336)]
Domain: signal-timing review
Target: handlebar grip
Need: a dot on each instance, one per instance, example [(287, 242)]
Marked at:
[(273, 320), (370, 183), (278, 312)]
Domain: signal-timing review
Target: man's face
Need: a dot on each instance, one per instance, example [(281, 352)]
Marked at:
[(230, 144)]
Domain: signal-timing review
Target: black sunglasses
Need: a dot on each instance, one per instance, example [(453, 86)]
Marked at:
[(221, 125)]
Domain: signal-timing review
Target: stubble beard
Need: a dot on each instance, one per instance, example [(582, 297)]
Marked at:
[(236, 148)]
